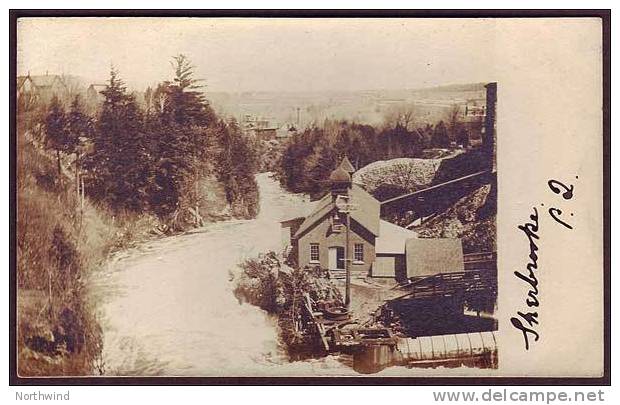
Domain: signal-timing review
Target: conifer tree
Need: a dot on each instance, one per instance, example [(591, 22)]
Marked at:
[(120, 159), (56, 134), (79, 125), (80, 129), (236, 165), (181, 100)]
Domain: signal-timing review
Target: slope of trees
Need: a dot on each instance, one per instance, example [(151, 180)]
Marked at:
[(139, 166), (309, 157), (153, 158)]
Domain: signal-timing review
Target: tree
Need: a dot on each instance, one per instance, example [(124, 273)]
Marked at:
[(462, 137), (148, 101), (81, 129), (400, 142), (403, 116), (119, 164), (79, 125), (56, 134), (291, 172), (236, 165), (440, 137), (171, 169), (454, 121), (180, 101), (179, 124)]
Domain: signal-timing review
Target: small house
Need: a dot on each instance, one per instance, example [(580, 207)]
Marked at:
[(42, 88)]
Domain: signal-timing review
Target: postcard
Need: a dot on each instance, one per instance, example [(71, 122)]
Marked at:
[(260, 197)]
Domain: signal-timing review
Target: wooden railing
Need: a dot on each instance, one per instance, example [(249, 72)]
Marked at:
[(483, 260), (462, 283)]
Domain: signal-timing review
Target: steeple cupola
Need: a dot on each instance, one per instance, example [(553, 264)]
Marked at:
[(347, 166), (340, 181)]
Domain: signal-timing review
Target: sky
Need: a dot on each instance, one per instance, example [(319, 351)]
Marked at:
[(237, 55)]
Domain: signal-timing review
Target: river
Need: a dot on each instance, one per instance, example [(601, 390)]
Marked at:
[(167, 308)]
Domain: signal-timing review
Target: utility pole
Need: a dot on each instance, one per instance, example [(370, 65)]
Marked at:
[(345, 207)]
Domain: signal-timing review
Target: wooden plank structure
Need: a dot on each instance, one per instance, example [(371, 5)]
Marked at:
[(329, 326), (482, 260), (376, 347), (463, 284)]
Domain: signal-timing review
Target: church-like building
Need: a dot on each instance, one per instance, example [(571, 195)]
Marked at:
[(375, 248)]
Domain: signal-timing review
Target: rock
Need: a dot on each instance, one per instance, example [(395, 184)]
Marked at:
[(409, 174)]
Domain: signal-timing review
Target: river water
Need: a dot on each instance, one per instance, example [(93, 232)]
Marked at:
[(167, 307)]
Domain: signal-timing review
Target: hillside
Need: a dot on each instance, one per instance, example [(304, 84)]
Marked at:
[(472, 219), (57, 331), (90, 183)]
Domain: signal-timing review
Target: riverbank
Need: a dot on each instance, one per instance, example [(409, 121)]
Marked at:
[(167, 307), (62, 242)]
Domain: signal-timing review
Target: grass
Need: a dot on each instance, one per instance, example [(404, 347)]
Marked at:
[(58, 245)]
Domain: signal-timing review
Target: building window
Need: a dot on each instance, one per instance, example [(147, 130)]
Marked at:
[(314, 252), (358, 255)]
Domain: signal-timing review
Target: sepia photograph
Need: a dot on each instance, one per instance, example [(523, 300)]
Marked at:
[(284, 197)]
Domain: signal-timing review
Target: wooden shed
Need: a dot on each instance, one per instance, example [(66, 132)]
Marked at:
[(426, 257)]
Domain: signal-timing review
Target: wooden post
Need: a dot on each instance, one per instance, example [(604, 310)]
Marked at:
[(347, 299), (82, 196), (49, 290), (59, 166), (77, 180)]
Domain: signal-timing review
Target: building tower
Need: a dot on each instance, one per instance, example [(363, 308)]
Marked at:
[(340, 182), (347, 166)]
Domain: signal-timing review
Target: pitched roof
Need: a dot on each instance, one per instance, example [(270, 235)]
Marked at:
[(392, 238), (368, 209), (97, 86), (426, 257), (320, 209), (346, 165), (366, 212), (44, 80), (21, 80)]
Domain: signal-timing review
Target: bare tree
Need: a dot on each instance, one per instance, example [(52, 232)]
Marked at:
[(454, 119), (402, 115)]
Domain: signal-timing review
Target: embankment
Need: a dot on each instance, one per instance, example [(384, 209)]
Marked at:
[(58, 244), (279, 290)]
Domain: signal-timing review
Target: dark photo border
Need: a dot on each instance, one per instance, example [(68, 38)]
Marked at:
[(604, 15)]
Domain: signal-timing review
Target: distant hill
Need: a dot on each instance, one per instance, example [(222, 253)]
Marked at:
[(302, 109), (366, 106)]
